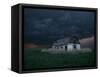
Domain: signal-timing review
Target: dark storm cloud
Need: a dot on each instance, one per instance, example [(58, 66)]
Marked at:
[(45, 26)]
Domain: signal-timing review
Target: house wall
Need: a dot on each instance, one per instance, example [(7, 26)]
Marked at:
[(70, 47), (58, 47), (78, 46)]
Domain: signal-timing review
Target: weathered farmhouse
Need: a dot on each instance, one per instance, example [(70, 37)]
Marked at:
[(71, 43)]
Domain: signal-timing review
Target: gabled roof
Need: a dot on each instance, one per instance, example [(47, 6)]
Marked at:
[(65, 41)]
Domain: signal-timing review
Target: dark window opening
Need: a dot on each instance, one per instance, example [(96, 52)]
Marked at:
[(65, 47)]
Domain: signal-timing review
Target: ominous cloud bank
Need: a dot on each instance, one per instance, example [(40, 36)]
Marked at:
[(44, 26)]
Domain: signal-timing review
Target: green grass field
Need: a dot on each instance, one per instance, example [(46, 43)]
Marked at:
[(35, 59)]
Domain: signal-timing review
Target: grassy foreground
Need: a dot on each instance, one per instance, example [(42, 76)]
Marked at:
[(34, 59)]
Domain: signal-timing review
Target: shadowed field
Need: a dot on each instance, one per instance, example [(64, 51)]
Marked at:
[(34, 59)]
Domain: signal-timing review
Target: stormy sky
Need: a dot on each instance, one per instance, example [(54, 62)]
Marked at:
[(43, 26)]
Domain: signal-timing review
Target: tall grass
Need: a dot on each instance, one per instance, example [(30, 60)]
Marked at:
[(34, 59)]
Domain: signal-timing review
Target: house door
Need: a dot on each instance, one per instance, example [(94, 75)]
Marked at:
[(74, 46), (65, 47)]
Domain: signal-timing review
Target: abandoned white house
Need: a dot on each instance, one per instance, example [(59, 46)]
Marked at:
[(71, 43)]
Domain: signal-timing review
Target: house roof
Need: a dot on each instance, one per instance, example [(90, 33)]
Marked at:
[(65, 41)]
